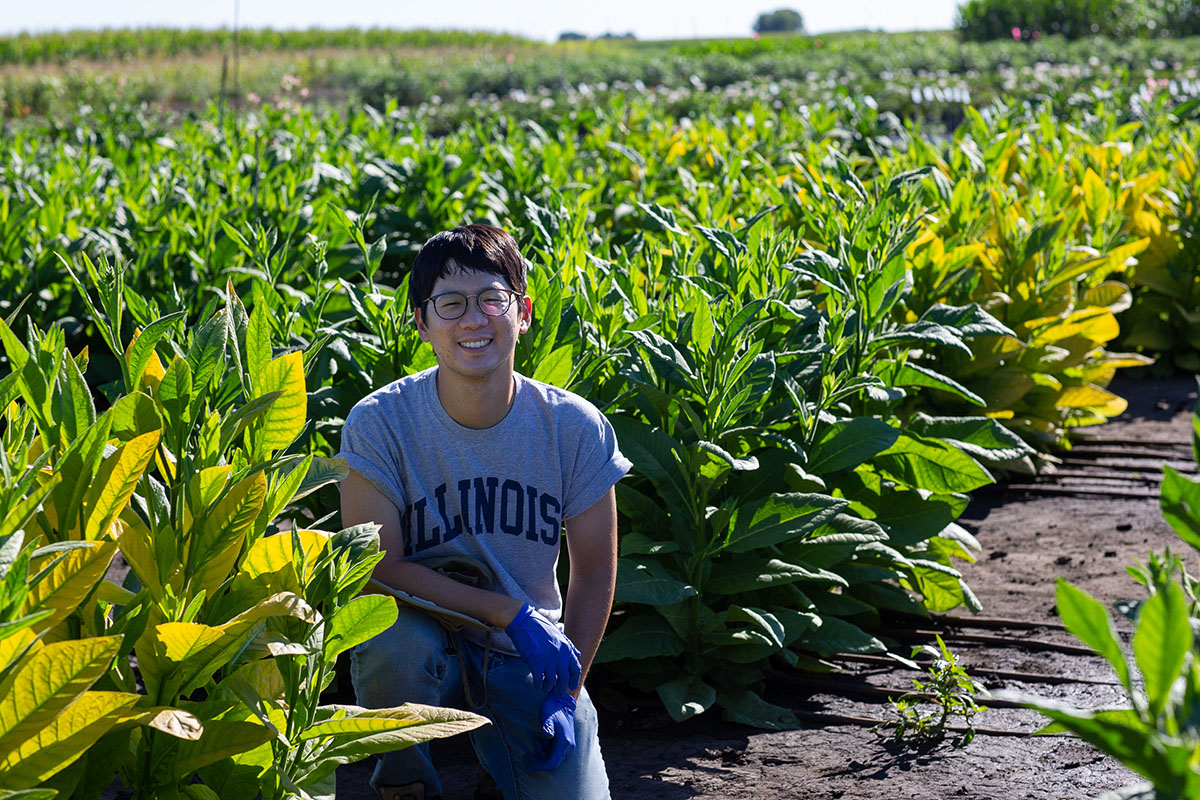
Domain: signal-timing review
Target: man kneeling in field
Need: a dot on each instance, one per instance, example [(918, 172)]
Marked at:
[(472, 472)]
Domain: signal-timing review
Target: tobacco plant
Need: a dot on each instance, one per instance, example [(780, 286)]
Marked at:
[(183, 474)]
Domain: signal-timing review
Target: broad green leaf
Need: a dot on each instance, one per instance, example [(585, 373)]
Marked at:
[(133, 415), (646, 635), (1089, 621), (1096, 200), (284, 420), (137, 355), (555, 369), (702, 327), (48, 681), (838, 636), (357, 621), (1161, 643), (63, 739), (220, 534), (778, 518), (850, 443), (221, 739), (912, 518), (747, 708), (909, 374), (649, 583), (749, 573), (134, 540), (258, 347), (923, 463), (1180, 503), (321, 472), (686, 697), (942, 589), (1118, 734), (764, 622), (271, 561), (115, 482), (177, 642), (411, 723), (984, 439), (73, 577)]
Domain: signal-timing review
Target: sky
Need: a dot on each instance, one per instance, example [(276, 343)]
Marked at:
[(537, 19)]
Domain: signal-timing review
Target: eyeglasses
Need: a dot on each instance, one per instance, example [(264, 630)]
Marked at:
[(492, 302)]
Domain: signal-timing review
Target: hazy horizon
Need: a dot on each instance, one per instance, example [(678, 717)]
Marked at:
[(535, 19)]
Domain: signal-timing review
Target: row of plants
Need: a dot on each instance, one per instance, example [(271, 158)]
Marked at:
[(983, 20), (889, 67), (127, 44), (813, 342)]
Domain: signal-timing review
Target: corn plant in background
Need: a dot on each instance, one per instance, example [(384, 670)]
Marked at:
[(1156, 735)]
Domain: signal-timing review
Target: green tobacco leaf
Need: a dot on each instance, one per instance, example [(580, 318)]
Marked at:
[(555, 369), (221, 739), (749, 573), (258, 347), (284, 420), (662, 216), (1180, 503), (64, 739), (847, 444), (48, 681), (646, 635), (1085, 617), (777, 518), (656, 456), (838, 636), (983, 438), (667, 361), (686, 697), (1119, 735), (747, 708), (970, 320), (140, 350), (321, 472), (922, 463), (912, 518), (357, 621), (649, 583), (922, 332), (1161, 643), (908, 374)]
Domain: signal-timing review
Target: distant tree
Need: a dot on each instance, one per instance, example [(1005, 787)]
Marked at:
[(785, 20), (571, 36), (611, 35)]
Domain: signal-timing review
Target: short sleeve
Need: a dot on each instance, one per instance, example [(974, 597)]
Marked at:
[(598, 464), (366, 446)]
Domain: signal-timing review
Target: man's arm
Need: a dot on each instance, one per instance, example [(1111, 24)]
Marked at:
[(592, 547), (362, 502)]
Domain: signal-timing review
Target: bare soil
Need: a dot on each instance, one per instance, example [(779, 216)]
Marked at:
[(1029, 539)]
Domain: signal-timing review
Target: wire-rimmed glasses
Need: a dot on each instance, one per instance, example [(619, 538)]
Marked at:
[(492, 302)]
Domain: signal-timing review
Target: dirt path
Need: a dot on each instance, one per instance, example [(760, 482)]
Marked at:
[(1028, 540)]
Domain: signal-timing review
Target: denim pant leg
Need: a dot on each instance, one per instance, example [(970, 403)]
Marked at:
[(513, 704), (410, 662)]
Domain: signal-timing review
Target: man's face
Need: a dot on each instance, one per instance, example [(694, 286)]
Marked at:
[(475, 345)]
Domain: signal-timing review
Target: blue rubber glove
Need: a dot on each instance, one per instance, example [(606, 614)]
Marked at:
[(551, 657), (558, 733)]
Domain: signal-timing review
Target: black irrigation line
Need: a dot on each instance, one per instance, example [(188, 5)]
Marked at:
[(959, 621), (843, 686), (1095, 440), (871, 722), (1036, 645), (998, 674), (1115, 491), (1136, 476)]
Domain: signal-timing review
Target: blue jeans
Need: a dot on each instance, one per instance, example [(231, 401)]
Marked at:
[(415, 661)]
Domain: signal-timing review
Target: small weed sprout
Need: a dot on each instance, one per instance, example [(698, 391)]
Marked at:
[(947, 687)]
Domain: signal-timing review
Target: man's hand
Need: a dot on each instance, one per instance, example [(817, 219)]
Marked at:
[(558, 733), (551, 656)]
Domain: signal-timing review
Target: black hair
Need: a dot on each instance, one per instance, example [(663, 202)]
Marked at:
[(477, 248)]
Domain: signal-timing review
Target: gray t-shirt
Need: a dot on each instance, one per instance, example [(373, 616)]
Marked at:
[(498, 495)]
